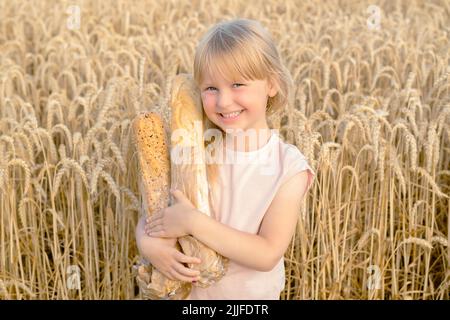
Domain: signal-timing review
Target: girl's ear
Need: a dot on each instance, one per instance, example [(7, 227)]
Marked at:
[(272, 87)]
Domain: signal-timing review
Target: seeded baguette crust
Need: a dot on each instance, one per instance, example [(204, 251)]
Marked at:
[(191, 177), (154, 161), (154, 184)]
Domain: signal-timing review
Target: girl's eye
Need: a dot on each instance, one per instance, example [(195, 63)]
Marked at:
[(213, 88)]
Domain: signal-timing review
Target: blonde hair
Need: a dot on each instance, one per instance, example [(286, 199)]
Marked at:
[(241, 48)]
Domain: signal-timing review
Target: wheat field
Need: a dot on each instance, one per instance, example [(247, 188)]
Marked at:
[(371, 113)]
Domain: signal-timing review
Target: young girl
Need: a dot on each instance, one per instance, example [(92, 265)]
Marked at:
[(255, 207)]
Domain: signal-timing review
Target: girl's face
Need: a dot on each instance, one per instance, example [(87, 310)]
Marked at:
[(236, 105)]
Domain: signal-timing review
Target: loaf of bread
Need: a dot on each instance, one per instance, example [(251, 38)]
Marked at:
[(188, 171), (154, 184)]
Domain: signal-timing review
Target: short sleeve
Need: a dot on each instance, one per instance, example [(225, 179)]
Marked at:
[(296, 162)]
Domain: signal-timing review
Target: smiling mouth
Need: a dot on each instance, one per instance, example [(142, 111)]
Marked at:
[(231, 114)]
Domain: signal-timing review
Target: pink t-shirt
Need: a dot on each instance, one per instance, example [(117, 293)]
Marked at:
[(248, 184)]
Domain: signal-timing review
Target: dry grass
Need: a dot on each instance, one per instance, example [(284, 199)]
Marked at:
[(371, 113)]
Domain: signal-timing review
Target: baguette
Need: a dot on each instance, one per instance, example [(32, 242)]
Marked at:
[(191, 177), (154, 184)]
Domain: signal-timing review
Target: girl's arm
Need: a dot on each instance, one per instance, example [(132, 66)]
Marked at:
[(263, 250)]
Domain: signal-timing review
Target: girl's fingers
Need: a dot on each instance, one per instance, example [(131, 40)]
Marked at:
[(187, 271), (181, 277), (153, 219), (168, 275), (186, 259), (153, 224), (157, 234), (165, 273), (155, 215), (154, 227)]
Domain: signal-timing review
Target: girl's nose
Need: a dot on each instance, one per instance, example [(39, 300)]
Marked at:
[(224, 100)]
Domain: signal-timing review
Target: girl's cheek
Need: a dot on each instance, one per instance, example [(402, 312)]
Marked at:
[(208, 101)]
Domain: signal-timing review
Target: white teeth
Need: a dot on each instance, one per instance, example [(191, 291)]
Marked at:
[(231, 115)]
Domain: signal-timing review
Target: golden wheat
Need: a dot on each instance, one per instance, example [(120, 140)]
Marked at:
[(20, 163), (370, 111)]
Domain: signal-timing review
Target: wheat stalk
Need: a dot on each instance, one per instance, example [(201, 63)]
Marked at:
[(418, 241), (20, 163)]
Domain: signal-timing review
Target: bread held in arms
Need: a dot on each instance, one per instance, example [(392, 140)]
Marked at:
[(188, 171), (154, 183)]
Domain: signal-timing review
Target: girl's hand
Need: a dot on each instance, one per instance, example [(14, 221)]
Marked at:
[(173, 221), (163, 255)]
